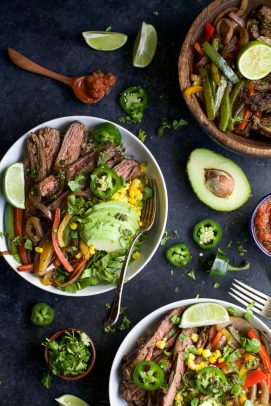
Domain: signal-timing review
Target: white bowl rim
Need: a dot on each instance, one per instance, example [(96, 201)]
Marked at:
[(142, 327), (98, 120)]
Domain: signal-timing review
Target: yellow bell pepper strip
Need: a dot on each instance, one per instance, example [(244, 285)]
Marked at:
[(46, 257), (60, 232), (220, 93), (208, 96), (225, 111), (84, 248), (192, 90), (264, 357), (220, 62), (62, 259), (254, 377)]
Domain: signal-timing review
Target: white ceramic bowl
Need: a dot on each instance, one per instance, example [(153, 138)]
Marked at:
[(146, 325), (134, 148)]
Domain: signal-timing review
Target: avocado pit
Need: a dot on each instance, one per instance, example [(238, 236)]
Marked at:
[(219, 182)]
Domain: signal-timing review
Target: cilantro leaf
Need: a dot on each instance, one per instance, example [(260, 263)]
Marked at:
[(77, 182)]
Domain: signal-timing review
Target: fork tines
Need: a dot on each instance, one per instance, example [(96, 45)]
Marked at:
[(246, 294)]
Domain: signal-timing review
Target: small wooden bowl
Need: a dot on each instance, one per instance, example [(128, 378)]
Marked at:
[(56, 336), (260, 147)]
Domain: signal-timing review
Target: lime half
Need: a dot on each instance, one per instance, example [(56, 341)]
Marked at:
[(104, 40), (204, 314), (254, 60), (71, 400), (145, 46), (14, 185)]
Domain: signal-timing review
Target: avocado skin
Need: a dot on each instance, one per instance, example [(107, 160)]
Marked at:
[(109, 226)]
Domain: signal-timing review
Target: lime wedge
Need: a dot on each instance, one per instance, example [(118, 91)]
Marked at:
[(14, 185), (145, 46), (204, 314), (104, 40), (71, 400), (254, 60)]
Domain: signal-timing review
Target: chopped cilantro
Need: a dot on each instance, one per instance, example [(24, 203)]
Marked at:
[(250, 345), (109, 28), (109, 329), (217, 285), (232, 311), (182, 337), (155, 13), (175, 319), (171, 272), (248, 315), (141, 135), (197, 296), (240, 249), (229, 244), (124, 324), (191, 274), (28, 244), (177, 289), (163, 363), (170, 125), (46, 380), (165, 238), (77, 182)]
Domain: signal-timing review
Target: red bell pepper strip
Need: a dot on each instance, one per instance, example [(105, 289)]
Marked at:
[(18, 227), (242, 126), (209, 30), (264, 357), (26, 268), (63, 260), (254, 377), (198, 48)]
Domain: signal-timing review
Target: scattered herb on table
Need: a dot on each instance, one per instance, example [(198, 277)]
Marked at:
[(197, 296), (192, 274), (46, 380), (229, 244), (109, 329), (240, 249), (166, 237), (70, 354), (155, 13), (170, 125), (177, 289), (109, 28), (216, 285), (141, 135), (124, 324)]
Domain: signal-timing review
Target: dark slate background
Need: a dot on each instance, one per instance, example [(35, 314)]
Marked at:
[(49, 32)]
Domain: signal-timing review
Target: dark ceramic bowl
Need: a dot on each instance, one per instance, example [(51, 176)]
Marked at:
[(252, 227), (56, 336)]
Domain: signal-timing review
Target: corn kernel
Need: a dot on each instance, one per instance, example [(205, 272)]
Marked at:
[(91, 249), (160, 344), (206, 353), (73, 226), (143, 168), (178, 397), (78, 256), (194, 337), (242, 398), (217, 354), (39, 250), (220, 360), (200, 349), (249, 357), (212, 359), (136, 255)]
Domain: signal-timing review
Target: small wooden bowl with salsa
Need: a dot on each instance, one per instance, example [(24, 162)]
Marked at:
[(260, 225)]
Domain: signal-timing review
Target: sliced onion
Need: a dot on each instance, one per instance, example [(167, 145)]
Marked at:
[(202, 62), (44, 209), (224, 12), (263, 393), (33, 229), (228, 32), (237, 19), (244, 37), (242, 8)]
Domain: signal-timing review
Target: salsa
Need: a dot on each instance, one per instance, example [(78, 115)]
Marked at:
[(98, 84), (262, 224)]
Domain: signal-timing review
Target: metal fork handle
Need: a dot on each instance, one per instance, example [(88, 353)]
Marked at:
[(113, 314)]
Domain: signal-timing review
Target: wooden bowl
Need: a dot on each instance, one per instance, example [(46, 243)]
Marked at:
[(256, 146), (56, 336)]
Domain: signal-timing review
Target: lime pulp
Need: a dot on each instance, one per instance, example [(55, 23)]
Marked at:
[(204, 314), (145, 46), (254, 60), (14, 185), (104, 40)]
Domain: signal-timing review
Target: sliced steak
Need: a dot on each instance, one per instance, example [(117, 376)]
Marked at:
[(42, 148), (110, 155), (203, 338), (259, 101), (87, 145), (128, 169), (259, 127), (167, 397), (47, 186), (130, 392), (264, 15), (84, 164), (71, 145)]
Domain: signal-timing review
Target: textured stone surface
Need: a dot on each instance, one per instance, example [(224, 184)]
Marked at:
[(49, 32)]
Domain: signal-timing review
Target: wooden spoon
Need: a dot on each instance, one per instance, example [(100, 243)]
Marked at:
[(78, 84)]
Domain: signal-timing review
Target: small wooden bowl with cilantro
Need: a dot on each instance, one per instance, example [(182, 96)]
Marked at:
[(70, 354)]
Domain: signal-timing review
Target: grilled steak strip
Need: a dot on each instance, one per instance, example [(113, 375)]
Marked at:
[(128, 169), (84, 164), (71, 145)]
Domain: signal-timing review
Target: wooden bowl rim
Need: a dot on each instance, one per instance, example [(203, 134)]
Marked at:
[(227, 139), (55, 336)]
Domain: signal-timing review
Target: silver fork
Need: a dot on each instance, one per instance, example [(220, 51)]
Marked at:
[(246, 294), (147, 219)]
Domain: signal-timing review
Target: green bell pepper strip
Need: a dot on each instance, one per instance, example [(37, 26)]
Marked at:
[(107, 132), (9, 228), (42, 314), (213, 372), (221, 265), (211, 79), (235, 92), (225, 111), (207, 234), (105, 182), (220, 62), (215, 74), (220, 93), (208, 94), (178, 255), (133, 99), (148, 375)]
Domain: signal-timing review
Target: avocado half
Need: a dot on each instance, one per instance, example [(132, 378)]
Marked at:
[(202, 162)]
